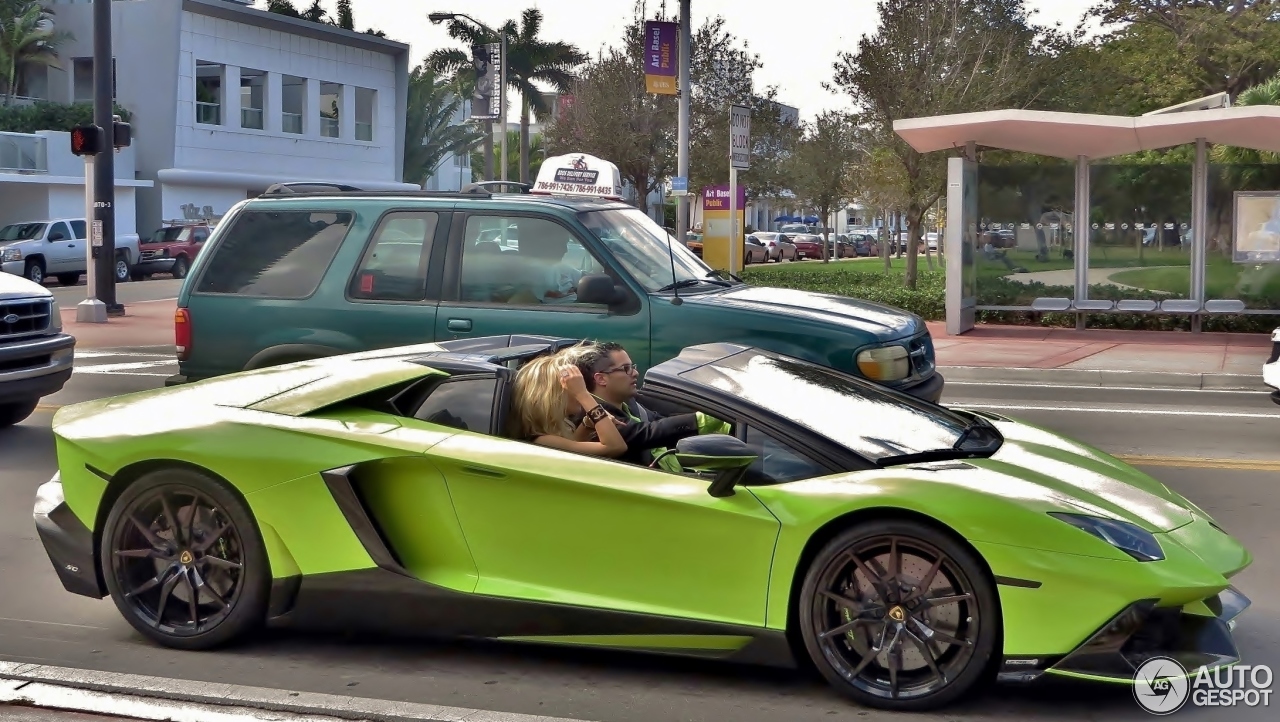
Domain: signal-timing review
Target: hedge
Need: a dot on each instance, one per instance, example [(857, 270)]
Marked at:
[(44, 115), (869, 281)]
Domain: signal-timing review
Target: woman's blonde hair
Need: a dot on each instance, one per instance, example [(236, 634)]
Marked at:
[(539, 403)]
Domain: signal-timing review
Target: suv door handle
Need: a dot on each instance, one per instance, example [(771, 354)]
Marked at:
[(459, 324)]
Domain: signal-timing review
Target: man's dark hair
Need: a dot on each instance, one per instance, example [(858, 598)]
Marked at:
[(596, 359)]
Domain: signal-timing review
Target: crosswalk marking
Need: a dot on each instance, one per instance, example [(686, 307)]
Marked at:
[(110, 362)]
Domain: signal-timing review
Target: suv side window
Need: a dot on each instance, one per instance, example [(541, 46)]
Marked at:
[(276, 254), (200, 235), (394, 266), (777, 463), (78, 228), (522, 261)]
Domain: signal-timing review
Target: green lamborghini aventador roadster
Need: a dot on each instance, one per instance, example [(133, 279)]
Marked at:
[(905, 550)]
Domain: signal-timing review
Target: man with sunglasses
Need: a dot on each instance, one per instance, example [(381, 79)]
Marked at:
[(614, 381)]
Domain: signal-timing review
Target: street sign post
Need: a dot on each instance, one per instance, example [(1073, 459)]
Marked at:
[(739, 159), (680, 186)]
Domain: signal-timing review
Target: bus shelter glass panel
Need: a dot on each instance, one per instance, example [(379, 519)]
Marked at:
[(1243, 230), (1140, 232), (1025, 234)]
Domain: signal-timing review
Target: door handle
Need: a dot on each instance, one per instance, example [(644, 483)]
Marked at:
[(481, 471), (459, 324)]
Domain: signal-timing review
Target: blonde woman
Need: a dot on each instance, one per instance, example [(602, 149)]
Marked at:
[(550, 389)]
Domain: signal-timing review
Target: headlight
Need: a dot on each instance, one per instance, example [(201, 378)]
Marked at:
[(1128, 538), (55, 317), (11, 254), (887, 363)]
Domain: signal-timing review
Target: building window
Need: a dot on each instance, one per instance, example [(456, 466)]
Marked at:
[(293, 96), (253, 93), (330, 105), (364, 113), (209, 92), (82, 80)]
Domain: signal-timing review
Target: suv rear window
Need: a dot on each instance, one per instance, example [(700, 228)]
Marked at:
[(275, 254)]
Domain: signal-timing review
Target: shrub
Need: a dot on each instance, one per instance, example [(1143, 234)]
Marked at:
[(44, 115), (868, 281)]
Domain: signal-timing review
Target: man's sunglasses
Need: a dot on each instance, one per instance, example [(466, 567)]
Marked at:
[(625, 368)]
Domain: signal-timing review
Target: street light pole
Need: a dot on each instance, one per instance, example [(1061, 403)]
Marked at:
[(682, 125), (437, 18)]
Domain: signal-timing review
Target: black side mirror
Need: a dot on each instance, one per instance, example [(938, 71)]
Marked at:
[(727, 456), (598, 288)]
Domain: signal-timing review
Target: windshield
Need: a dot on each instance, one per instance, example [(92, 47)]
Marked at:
[(869, 420), (167, 235), (645, 249), (21, 232)]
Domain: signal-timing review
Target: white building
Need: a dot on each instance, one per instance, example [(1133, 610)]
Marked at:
[(227, 100)]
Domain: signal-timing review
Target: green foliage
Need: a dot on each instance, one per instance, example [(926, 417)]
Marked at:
[(822, 165), (27, 38), (50, 116), (430, 131), (858, 279), (317, 14)]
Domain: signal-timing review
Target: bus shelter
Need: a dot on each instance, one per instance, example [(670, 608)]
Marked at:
[(1098, 230)]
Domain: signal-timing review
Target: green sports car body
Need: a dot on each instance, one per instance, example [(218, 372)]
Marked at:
[(907, 550)]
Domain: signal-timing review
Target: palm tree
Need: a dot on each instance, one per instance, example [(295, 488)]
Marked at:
[(430, 130), (27, 38), (530, 60), (537, 154)]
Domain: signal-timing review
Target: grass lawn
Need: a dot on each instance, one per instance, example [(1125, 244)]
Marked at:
[(1223, 279)]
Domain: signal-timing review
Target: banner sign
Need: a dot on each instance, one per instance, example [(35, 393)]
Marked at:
[(486, 102), (716, 228), (660, 57), (739, 137)]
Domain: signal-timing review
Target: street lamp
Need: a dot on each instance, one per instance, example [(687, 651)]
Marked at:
[(436, 19)]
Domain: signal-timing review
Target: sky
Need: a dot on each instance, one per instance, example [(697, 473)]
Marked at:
[(797, 40)]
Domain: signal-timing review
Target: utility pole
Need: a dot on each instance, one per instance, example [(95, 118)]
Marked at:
[(682, 133), (104, 183)]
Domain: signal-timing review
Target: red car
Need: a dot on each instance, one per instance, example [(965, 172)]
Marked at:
[(171, 250), (807, 245)]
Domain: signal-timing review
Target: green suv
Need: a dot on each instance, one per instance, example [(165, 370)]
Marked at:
[(303, 272)]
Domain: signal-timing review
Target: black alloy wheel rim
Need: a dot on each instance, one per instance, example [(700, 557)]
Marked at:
[(895, 617), (179, 561)]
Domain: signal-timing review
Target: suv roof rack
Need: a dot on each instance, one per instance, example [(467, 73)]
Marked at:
[(309, 186), (313, 188), (483, 186)]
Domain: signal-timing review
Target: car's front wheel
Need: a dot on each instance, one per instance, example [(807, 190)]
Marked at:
[(897, 615), (184, 561)]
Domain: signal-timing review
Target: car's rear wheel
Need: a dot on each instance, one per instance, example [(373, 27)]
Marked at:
[(897, 615), (184, 561)]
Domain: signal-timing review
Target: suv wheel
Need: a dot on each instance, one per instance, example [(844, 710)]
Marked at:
[(35, 270), (14, 412)]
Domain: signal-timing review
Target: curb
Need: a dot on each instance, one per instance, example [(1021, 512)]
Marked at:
[(48, 687), (1104, 379)]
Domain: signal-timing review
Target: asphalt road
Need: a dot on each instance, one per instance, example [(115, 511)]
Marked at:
[(155, 289), (1217, 448)]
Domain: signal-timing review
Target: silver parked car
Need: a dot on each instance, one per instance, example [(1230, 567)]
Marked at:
[(778, 246)]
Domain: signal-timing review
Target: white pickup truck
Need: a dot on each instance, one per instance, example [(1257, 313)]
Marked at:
[(38, 249)]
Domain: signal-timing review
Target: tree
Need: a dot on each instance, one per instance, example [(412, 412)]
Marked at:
[(431, 132), (935, 57), (721, 74), (822, 165), (346, 19), (537, 154), (27, 38), (530, 60), (615, 118), (317, 14), (1211, 46)]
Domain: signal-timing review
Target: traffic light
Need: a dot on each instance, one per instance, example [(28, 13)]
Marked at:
[(87, 140), (122, 134)]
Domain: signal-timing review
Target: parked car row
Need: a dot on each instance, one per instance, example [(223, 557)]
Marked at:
[(37, 250)]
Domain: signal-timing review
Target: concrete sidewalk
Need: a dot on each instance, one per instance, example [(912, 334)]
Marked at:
[(1102, 357), (145, 323)]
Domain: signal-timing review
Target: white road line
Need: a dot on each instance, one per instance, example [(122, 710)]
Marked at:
[(1097, 387), (122, 354), (1098, 410), (55, 624), (132, 366), (139, 696)]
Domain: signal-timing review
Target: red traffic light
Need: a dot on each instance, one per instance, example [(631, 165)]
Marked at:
[(87, 140)]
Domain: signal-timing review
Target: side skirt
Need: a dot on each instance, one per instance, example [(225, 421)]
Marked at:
[(381, 601)]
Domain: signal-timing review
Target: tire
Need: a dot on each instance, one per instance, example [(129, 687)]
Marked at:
[(34, 271), (231, 602), (180, 267), (14, 412), (68, 279), (964, 629), (122, 269)]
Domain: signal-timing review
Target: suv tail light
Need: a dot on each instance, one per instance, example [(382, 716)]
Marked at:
[(182, 333)]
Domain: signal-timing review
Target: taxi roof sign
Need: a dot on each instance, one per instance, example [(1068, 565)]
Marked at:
[(579, 174)]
